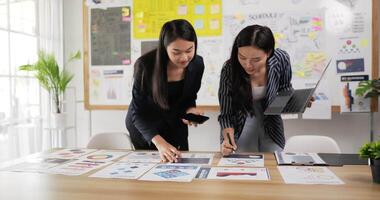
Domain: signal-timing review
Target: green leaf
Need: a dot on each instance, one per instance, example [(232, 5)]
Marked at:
[(26, 68), (75, 56), (370, 150), (65, 79)]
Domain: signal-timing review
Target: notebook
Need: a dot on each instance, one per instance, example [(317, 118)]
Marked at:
[(293, 101)]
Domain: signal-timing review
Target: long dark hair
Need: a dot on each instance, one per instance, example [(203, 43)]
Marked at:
[(257, 36), (170, 31)]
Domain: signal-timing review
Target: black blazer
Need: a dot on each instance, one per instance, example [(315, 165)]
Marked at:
[(145, 119)]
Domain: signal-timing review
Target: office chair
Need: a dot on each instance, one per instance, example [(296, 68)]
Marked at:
[(311, 144), (110, 141)]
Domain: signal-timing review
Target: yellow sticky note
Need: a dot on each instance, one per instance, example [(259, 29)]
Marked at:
[(312, 35), (125, 11), (363, 43), (278, 36), (214, 9), (140, 14)]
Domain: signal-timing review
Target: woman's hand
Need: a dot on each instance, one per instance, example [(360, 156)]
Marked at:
[(228, 145), (312, 99), (167, 152), (195, 111)]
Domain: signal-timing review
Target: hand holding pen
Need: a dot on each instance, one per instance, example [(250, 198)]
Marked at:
[(228, 146)]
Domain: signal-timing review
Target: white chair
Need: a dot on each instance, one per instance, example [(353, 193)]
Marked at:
[(311, 144), (110, 141)]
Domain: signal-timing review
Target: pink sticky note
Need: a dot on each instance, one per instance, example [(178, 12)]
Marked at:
[(126, 62)]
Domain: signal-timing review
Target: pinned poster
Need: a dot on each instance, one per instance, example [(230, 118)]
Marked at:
[(350, 65), (349, 101)]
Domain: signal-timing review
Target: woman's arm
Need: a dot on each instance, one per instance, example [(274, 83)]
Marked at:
[(225, 118), (225, 98), (286, 76), (144, 115)]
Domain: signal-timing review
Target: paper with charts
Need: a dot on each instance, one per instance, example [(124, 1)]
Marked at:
[(104, 155), (196, 158), (308, 175), (37, 164), (88, 163), (70, 153), (143, 156), (234, 173), (77, 167), (171, 172), (242, 160), (124, 170)]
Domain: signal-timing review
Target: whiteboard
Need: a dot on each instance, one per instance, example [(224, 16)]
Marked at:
[(312, 33)]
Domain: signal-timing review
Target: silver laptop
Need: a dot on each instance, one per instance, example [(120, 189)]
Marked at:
[(294, 101)]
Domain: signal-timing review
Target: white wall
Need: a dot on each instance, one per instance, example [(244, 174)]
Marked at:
[(349, 130)]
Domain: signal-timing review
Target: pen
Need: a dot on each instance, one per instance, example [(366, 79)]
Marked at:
[(179, 146), (230, 141)]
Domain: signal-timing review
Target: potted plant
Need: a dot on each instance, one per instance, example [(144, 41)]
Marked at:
[(369, 89), (54, 80), (372, 152)]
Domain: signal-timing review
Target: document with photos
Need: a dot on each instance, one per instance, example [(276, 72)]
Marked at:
[(242, 160), (234, 173), (124, 170), (104, 155), (290, 158), (78, 167), (196, 158), (70, 153), (143, 156), (171, 172), (308, 175)]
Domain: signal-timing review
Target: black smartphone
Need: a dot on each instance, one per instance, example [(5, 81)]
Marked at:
[(200, 119)]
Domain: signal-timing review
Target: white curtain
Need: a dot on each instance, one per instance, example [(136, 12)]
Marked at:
[(50, 19), (50, 24)]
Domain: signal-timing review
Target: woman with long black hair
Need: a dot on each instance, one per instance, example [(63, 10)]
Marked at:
[(249, 81), (166, 83)]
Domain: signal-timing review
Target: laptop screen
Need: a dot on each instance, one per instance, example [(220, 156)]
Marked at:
[(323, 73)]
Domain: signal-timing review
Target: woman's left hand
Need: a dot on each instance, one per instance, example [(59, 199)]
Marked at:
[(312, 99), (195, 111)]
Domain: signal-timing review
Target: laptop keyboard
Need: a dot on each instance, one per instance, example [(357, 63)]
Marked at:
[(298, 102)]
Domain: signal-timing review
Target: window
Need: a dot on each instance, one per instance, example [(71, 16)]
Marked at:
[(20, 102)]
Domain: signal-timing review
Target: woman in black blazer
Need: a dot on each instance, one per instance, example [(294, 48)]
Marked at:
[(166, 83)]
